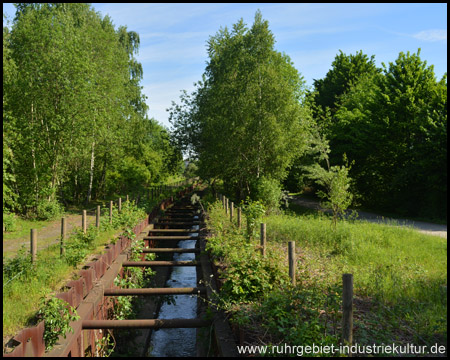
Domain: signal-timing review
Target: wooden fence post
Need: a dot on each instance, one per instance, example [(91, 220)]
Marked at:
[(83, 222), (120, 205), (226, 205), (239, 217), (231, 211), (33, 245), (62, 249), (97, 217), (128, 199), (110, 211), (347, 310), (291, 251), (263, 239)]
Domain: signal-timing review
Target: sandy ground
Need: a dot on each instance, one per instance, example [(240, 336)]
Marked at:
[(46, 236), (428, 228)]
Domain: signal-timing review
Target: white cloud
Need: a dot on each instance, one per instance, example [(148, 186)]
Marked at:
[(432, 35)]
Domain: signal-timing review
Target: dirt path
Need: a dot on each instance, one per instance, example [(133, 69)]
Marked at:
[(46, 236), (428, 228)]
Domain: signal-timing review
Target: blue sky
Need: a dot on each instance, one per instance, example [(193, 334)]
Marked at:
[(173, 37)]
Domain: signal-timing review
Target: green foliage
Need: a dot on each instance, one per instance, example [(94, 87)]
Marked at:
[(245, 119), (401, 272), (80, 245), (337, 184), (248, 276), (57, 316), (346, 71), (104, 346), (393, 123), (49, 271), (9, 222), (270, 193), (18, 265), (253, 211), (191, 170), (303, 316), (48, 210), (399, 290), (74, 121)]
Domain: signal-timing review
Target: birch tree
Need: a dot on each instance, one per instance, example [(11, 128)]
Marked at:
[(245, 119)]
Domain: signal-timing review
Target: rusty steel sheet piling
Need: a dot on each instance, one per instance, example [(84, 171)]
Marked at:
[(86, 294)]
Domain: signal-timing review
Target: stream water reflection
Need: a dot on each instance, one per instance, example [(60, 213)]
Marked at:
[(178, 342)]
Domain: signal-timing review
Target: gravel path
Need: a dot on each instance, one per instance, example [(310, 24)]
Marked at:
[(47, 235), (428, 228)]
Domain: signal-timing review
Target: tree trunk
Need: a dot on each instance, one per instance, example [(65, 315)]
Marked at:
[(260, 124), (36, 178), (91, 176), (101, 183)]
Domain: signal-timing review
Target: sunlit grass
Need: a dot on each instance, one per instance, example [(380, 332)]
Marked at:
[(403, 269), (23, 227), (21, 298)]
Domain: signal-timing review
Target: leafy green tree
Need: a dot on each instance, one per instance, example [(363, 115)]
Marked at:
[(345, 72), (245, 118), (9, 179), (394, 126), (336, 181), (45, 97), (412, 108), (74, 110), (324, 102)]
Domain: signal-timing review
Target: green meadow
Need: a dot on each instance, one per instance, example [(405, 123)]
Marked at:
[(399, 279)]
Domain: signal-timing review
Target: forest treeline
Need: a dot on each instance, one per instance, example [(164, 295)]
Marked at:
[(252, 123), (75, 124)]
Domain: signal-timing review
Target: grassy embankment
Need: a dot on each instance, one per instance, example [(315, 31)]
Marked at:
[(400, 281)]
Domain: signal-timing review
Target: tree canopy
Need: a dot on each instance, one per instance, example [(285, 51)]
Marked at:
[(392, 123), (244, 120), (75, 120)]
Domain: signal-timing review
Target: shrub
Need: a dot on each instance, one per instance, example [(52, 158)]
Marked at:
[(48, 210), (269, 192), (21, 263), (57, 316), (253, 211), (80, 245), (9, 222)]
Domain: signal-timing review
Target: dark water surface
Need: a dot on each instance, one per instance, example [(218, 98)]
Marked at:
[(178, 342)]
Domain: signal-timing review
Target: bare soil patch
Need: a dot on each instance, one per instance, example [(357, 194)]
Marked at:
[(48, 235)]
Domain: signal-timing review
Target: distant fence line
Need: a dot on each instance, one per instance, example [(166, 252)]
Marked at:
[(153, 193)]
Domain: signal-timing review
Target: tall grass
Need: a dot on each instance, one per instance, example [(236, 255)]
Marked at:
[(400, 269)]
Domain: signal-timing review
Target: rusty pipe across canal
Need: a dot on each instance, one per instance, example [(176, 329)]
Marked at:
[(155, 291), (144, 324)]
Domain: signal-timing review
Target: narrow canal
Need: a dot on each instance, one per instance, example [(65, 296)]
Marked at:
[(178, 342)]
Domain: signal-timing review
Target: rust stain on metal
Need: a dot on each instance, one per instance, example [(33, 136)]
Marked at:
[(139, 324), (155, 291)]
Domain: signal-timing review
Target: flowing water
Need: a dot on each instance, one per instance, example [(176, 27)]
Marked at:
[(178, 342)]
